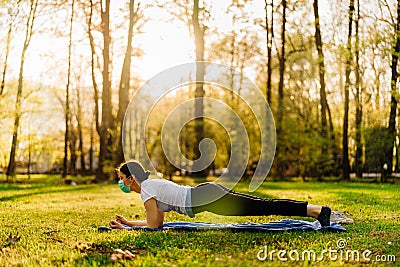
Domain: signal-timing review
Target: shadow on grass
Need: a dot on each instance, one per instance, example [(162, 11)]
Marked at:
[(324, 186), (100, 253), (370, 200), (18, 187), (44, 179), (368, 186), (10, 198), (172, 245)]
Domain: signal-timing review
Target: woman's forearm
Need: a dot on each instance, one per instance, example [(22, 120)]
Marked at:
[(137, 223)]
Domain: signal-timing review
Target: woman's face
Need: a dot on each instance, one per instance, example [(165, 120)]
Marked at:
[(127, 180)]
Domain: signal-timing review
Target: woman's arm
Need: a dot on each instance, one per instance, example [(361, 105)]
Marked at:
[(154, 217), (136, 223), (121, 219)]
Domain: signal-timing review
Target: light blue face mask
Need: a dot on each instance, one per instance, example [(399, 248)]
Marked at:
[(124, 188)]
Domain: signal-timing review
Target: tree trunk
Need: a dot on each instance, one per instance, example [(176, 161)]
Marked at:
[(281, 71), (396, 166), (29, 150), (28, 36), (72, 148), (95, 89), (199, 92), (124, 83), (270, 36), (104, 130), (80, 132), (394, 93), (232, 54), (323, 100), (91, 167), (345, 145), (3, 80), (67, 109), (279, 122), (358, 100)]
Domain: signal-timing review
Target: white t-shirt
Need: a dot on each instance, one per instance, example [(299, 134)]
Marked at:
[(169, 195)]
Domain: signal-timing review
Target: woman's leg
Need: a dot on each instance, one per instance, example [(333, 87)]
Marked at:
[(218, 199)]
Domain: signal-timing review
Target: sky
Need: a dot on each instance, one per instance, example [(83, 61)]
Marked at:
[(165, 43)]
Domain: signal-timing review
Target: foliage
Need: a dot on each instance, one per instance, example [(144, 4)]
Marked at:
[(235, 35), (377, 142)]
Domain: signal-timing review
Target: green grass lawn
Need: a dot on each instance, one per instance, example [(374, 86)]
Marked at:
[(58, 227)]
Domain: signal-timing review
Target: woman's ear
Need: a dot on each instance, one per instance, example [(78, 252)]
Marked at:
[(133, 177)]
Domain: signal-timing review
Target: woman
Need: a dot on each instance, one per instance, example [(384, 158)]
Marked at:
[(160, 196)]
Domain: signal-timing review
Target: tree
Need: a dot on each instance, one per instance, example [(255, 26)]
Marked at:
[(9, 32), (72, 140), (125, 78), (269, 26), (104, 125), (280, 107), (199, 29), (358, 98), (393, 91), (94, 84), (28, 35), (377, 142), (322, 92), (194, 15), (281, 71), (79, 129), (348, 55), (238, 48), (67, 93)]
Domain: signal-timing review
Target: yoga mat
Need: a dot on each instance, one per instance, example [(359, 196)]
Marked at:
[(279, 226)]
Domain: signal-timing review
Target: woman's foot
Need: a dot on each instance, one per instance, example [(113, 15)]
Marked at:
[(324, 216), (340, 217), (321, 213)]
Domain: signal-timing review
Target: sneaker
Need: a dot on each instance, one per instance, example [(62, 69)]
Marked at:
[(324, 216), (340, 217)]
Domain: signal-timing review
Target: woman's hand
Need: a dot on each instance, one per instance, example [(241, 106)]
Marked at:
[(121, 219), (116, 225)]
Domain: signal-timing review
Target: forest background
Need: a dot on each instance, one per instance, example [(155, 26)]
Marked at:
[(328, 69)]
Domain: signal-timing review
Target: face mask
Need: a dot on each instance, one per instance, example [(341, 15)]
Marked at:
[(124, 188)]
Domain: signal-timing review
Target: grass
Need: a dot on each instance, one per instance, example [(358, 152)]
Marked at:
[(58, 227)]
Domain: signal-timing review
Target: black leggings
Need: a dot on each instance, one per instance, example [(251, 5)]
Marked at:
[(206, 197)]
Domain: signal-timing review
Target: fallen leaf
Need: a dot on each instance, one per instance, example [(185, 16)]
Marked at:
[(129, 255), (4, 250), (119, 254), (13, 239), (117, 250), (114, 257)]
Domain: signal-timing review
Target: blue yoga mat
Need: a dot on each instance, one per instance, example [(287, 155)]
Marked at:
[(282, 225)]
